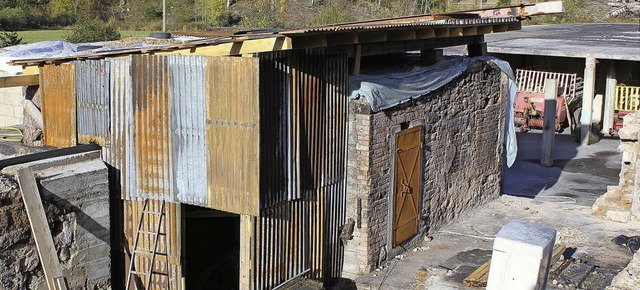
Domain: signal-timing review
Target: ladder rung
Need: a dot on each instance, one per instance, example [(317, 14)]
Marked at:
[(152, 273), (150, 233), (152, 212), (139, 273), (149, 253)]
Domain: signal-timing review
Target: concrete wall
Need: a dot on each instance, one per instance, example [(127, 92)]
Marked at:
[(76, 199), (10, 104), (463, 138)]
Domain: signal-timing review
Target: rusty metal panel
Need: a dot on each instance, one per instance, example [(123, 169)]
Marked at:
[(297, 232), (92, 97), (233, 134), (59, 104), (119, 151), (406, 184), (188, 128), (151, 116)]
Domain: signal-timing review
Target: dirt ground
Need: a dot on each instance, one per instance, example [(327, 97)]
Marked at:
[(559, 197)]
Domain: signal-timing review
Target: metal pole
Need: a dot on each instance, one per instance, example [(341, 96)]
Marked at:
[(164, 15), (549, 125)]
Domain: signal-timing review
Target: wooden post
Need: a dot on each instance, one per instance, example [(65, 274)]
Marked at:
[(40, 228), (247, 240), (355, 70), (549, 126), (587, 100), (431, 56), (609, 100), (477, 49)]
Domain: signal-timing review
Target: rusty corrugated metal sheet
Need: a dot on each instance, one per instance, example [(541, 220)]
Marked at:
[(405, 22), (59, 104), (92, 98), (188, 128), (233, 134), (119, 151), (152, 138), (301, 235)]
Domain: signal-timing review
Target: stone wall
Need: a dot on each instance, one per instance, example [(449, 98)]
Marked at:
[(11, 100), (462, 160), (75, 194), (621, 203)]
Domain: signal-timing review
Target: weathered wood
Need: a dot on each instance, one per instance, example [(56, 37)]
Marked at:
[(39, 226), (19, 81), (549, 125), (247, 230), (356, 61)]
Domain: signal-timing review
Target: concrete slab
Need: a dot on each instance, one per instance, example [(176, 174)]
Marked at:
[(558, 197)]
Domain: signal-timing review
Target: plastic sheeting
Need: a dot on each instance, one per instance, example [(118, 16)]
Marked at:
[(386, 89)]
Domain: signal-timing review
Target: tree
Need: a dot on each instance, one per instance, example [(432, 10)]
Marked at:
[(9, 38), (91, 31)]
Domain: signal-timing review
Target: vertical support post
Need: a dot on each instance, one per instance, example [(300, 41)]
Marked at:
[(247, 240), (431, 56), (355, 70), (477, 49), (587, 100), (609, 100), (164, 15), (549, 125)]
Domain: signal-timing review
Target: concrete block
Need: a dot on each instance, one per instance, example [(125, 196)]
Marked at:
[(521, 257)]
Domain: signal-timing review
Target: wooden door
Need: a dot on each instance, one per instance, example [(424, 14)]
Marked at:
[(407, 170)]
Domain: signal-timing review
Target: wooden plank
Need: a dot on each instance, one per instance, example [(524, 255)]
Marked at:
[(39, 226), (247, 239), (19, 81)]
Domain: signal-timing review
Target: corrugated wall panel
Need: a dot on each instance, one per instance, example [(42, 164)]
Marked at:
[(151, 117), (59, 104), (92, 97), (233, 135), (119, 151), (188, 128), (298, 230)]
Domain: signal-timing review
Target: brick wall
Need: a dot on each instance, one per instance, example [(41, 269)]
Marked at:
[(10, 104), (462, 160)]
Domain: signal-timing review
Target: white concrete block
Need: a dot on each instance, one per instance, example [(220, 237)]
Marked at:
[(521, 257)]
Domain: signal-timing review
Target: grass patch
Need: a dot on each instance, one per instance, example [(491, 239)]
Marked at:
[(31, 36)]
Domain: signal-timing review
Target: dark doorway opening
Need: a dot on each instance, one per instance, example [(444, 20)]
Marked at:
[(211, 249)]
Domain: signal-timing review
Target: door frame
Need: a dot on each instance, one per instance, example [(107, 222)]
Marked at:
[(391, 136)]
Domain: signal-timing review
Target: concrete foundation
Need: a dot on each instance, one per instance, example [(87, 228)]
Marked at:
[(75, 194)]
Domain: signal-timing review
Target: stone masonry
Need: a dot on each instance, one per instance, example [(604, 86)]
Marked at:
[(75, 194), (621, 203), (462, 160)]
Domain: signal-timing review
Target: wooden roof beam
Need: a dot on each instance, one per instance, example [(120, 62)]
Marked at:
[(19, 81)]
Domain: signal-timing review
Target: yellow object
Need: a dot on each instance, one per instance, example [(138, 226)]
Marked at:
[(627, 98), (13, 137)]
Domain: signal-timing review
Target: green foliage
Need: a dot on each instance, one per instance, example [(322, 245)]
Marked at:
[(13, 18), (9, 38), (331, 13), (91, 31), (502, 3), (262, 16)]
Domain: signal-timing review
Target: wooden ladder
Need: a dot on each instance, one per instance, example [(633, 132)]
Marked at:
[(153, 251)]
